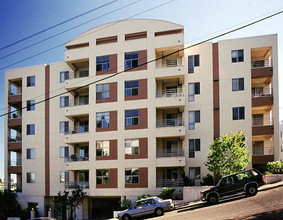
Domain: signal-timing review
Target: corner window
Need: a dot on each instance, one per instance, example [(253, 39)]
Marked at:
[(30, 153), (194, 117), (64, 127), (132, 175), (237, 56), (132, 146), (64, 76), (131, 88), (238, 113), (64, 177), (131, 117), (31, 129), (64, 101), (194, 145), (194, 173), (102, 63), (30, 81), (30, 177), (238, 84), (194, 89), (102, 91), (102, 148), (131, 59), (102, 119), (103, 176), (193, 61), (30, 105)]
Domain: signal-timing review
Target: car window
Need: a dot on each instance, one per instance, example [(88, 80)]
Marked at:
[(244, 175), (227, 180), (139, 204), (150, 202)]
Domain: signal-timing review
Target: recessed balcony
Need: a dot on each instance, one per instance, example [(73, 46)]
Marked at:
[(170, 97), (77, 108), (15, 97), (78, 78), (77, 134), (15, 120), (262, 126), (15, 166), (262, 97), (172, 158), (262, 155), (261, 65), (77, 184)]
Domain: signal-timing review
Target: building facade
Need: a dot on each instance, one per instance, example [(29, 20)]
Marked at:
[(119, 124)]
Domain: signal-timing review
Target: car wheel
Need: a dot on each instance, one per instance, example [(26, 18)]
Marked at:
[(212, 200), (126, 217), (158, 212), (251, 191)]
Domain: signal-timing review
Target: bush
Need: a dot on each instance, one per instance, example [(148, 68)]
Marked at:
[(125, 204), (275, 167), (167, 193), (144, 196), (208, 180)]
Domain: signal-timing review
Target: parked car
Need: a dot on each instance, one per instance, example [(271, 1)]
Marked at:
[(247, 181), (148, 206)]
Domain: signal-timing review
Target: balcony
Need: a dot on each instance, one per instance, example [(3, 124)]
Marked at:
[(76, 158), (77, 79), (262, 155), (170, 97), (170, 182), (176, 122), (15, 143), (77, 108), (170, 127), (14, 120), (171, 158), (15, 166), (261, 65), (170, 153), (77, 134), (262, 126), (15, 97), (262, 97), (76, 184), (77, 162)]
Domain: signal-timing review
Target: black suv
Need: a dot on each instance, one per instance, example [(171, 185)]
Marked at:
[(243, 182)]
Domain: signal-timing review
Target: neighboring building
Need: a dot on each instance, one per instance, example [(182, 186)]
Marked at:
[(143, 129), (281, 139), (2, 186)]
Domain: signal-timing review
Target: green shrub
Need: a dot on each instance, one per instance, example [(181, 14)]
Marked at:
[(207, 180), (144, 196), (275, 167), (167, 193), (125, 204)]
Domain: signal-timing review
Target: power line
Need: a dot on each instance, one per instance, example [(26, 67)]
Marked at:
[(164, 56), (56, 25)]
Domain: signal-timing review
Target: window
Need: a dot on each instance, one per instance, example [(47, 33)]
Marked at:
[(194, 89), (131, 117), (238, 113), (31, 129), (30, 153), (30, 105), (30, 81), (131, 59), (102, 63), (102, 148), (192, 62), (238, 84), (194, 145), (64, 177), (102, 91), (83, 100), (64, 101), (83, 176), (83, 126), (281, 134), (258, 148), (64, 76), (132, 175), (83, 73), (30, 177), (64, 127), (281, 148), (194, 117), (102, 176), (132, 146), (194, 173), (102, 119), (237, 56), (64, 152), (131, 88)]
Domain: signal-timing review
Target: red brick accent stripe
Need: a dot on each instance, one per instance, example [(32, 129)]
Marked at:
[(216, 113), (162, 33), (106, 40), (134, 36), (143, 145)]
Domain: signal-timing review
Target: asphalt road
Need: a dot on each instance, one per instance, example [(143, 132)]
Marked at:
[(267, 204)]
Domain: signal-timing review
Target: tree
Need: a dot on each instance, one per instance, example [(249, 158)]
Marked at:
[(9, 206), (61, 202), (76, 199), (228, 154)]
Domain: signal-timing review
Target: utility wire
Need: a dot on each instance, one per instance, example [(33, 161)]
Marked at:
[(56, 25), (167, 55)]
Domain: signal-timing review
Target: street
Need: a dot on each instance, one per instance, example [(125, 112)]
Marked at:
[(267, 204)]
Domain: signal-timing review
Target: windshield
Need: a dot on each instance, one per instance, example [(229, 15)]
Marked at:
[(219, 182)]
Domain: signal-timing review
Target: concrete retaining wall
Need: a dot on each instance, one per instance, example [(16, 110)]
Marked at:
[(274, 178)]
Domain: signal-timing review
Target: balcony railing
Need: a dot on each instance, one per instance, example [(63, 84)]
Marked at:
[(15, 92), (76, 184), (17, 138), (15, 162), (74, 158), (77, 129), (170, 122), (78, 102), (169, 182), (262, 151), (261, 63), (169, 153), (262, 121), (78, 74), (169, 93), (14, 115), (259, 92), (165, 63)]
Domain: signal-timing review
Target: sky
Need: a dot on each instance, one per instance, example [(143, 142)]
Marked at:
[(201, 19)]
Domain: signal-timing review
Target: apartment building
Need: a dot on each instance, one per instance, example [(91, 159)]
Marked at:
[(148, 126)]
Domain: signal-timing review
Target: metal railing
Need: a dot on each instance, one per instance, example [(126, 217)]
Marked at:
[(261, 63), (259, 92), (15, 92), (170, 153), (262, 151), (17, 138), (78, 102), (15, 162), (170, 122), (76, 184), (262, 121), (14, 115), (78, 74), (169, 182), (170, 93), (75, 157), (77, 130), (165, 63)]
